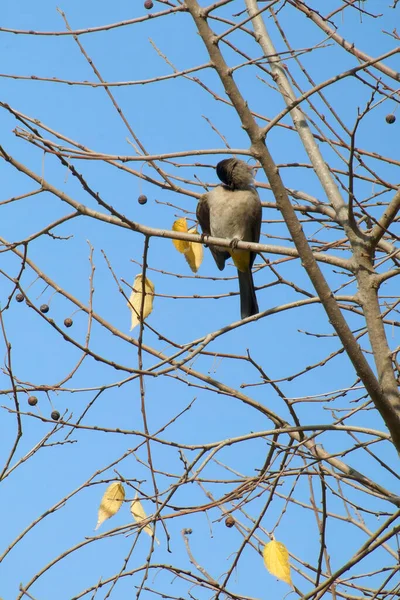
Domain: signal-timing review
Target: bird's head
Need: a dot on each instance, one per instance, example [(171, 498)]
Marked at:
[(235, 173)]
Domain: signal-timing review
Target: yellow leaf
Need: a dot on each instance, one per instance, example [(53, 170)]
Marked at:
[(135, 300), (110, 502), (181, 226), (194, 254), (276, 559), (139, 515)]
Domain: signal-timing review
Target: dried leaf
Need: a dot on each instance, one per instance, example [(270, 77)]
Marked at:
[(139, 515), (181, 226), (276, 559), (135, 300), (194, 254), (110, 502)]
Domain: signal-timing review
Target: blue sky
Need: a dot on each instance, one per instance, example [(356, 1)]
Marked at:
[(167, 116)]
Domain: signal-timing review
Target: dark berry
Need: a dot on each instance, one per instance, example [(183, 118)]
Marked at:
[(44, 308), (32, 400), (19, 297), (142, 199), (229, 521), (148, 4), (390, 119), (55, 415), (68, 322)]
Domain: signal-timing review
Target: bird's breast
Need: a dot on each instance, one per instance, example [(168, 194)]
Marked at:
[(232, 213)]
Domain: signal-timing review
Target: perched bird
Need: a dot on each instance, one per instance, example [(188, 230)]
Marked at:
[(233, 211)]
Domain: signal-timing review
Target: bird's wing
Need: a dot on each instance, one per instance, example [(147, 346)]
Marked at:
[(256, 225), (203, 216)]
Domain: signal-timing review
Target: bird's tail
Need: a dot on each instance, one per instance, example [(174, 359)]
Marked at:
[(248, 300)]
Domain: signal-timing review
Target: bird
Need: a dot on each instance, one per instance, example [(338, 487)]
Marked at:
[(233, 210)]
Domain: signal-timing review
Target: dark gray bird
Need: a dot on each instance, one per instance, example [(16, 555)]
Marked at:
[(233, 211)]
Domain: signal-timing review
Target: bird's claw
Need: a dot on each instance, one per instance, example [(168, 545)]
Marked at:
[(234, 243)]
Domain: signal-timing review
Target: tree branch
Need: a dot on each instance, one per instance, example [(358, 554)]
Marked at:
[(261, 152)]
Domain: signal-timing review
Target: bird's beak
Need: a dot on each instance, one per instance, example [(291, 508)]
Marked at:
[(253, 170)]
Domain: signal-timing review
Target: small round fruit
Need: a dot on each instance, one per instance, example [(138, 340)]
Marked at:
[(44, 308), (68, 322), (142, 199), (390, 119), (229, 521), (19, 297), (148, 4), (32, 400), (55, 415)]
